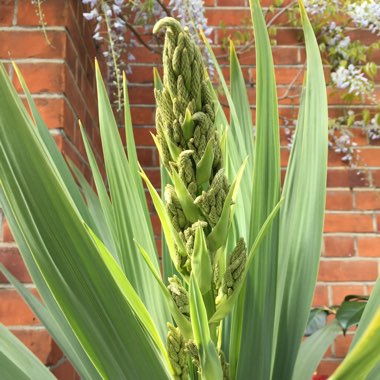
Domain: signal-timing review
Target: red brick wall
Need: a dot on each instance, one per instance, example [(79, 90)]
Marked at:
[(62, 80)]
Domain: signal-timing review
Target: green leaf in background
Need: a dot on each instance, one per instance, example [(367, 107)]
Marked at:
[(302, 215), (349, 314), (317, 320), (209, 360), (260, 294), (17, 362)]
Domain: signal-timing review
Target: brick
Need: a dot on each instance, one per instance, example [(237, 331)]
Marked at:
[(327, 367), (54, 13), (320, 296), (156, 224), (216, 16), (143, 136), (376, 178), (342, 344), (51, 111), (370, 157), (12, 260), (32, 44), (347, 178), (348, 223), (338, 271), (339, 246), (6, 14), (339, 200), (14, 311), (48, 77), (367, 200), (65, 371), (7, 234), (147, 157), (231, 3), (339, 292), (369, 246), (40, 343)]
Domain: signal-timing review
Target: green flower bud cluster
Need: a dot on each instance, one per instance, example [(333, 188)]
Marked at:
[(179, 295), (174, 209), (200, 196), (185, 121), (192, 351), (177, 354), (211, 202), (234, 271)]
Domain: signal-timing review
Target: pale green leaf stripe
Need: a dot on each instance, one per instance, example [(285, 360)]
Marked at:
[(209, 360), (128, 207), (77, 356), (65, 254), (301, 217), (365, 355), (17, 362), (312, 350), (260, 294), (55, 154)]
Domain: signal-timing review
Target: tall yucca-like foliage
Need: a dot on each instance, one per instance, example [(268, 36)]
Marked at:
[(240, 257)]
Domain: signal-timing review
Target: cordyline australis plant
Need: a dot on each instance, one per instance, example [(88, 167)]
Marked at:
[(240, 258)]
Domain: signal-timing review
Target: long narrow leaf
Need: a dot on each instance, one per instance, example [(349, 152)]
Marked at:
[(301, 217), (260, 294)]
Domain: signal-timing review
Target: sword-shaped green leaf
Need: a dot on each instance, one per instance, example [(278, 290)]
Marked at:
[(302, 215), (260, 294)]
